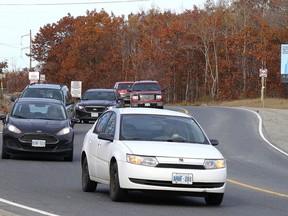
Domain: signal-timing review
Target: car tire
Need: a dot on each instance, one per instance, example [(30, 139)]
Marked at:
[(117, 194), (69, 157), (87, 184), (214, 199), (4, 155)]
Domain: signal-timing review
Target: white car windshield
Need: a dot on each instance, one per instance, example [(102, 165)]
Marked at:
[(161, 128)]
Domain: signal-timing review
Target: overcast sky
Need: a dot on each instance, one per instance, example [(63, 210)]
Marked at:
[(18, 17)]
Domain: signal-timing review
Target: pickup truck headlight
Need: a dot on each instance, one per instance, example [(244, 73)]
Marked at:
[(158, 97)]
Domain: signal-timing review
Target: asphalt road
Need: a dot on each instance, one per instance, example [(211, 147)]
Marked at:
[(257, 178)]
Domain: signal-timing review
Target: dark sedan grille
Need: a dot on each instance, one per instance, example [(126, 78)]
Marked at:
[(169, 184), (147, 97), (49, 139), (98, 109)]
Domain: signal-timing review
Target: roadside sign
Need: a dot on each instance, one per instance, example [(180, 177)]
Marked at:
[(76, 89), (263, 73), (34, 75), (42, 77)]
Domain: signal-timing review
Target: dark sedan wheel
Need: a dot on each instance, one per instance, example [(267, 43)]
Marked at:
[(4, 155), (116, 192), (214, 199), (87, 184)]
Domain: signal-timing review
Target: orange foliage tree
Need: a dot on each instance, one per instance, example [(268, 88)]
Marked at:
[(214, 52)]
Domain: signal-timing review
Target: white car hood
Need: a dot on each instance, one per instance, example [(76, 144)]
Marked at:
[(173, 149)]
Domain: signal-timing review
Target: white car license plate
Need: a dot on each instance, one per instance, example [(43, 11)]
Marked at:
[(94, 114), (38, 143), (147, 104), (182, 178)]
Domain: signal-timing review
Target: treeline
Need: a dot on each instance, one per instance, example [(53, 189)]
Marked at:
[(215, 52)]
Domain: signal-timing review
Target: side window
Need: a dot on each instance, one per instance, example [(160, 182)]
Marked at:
[(101, 123), (110, 128)]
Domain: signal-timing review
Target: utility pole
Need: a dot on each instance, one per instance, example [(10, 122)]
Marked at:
[(30, 48)]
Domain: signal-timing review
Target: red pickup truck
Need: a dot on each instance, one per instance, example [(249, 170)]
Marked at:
[(122, 90), (146, 93)]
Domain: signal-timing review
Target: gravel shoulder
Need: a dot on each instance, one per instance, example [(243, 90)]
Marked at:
[(275, 125)]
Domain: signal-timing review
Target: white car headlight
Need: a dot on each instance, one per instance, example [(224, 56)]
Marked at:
[(64, 131), (13, 129), (215, 164), (141, 160), (135, 97)]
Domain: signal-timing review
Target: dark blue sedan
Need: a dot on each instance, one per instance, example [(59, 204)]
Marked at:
[(36, 126)]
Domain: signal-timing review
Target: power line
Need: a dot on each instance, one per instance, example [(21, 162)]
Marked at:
[(9, 45), (72, 3)]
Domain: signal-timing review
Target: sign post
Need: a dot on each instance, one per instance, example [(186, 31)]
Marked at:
[(263, 75)]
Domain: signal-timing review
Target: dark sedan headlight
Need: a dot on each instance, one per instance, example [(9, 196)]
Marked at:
[(79, 107), (111, 107), (64, 131), (13, 129), (141, 160)]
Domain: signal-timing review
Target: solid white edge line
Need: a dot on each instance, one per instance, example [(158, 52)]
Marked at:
[(27, 208), (261, 133)]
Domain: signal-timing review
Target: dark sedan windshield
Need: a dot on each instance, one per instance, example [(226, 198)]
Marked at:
[(161, 128), (110, 96), (39, 110)]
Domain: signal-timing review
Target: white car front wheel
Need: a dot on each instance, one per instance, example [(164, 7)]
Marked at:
[(117, 194)]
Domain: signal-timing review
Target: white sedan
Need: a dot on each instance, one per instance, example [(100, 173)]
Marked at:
[(152, 150)]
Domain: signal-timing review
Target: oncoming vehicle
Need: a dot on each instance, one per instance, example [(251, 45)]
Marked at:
[(152, 150), (146, 93), (36, 126), (122, 89), (94, 102), (52, 91)]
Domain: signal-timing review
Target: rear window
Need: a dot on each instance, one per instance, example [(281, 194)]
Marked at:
[(43, 93), (125, 86)]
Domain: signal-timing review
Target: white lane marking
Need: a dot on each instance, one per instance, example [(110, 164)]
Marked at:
[(27, 208), (261, 132)]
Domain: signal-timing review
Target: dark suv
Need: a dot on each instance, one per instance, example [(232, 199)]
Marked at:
[(54, 91), (146, 93)]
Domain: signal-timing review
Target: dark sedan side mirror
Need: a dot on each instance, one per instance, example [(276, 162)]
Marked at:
[(214, 142), (74, 121), (106, 136)]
